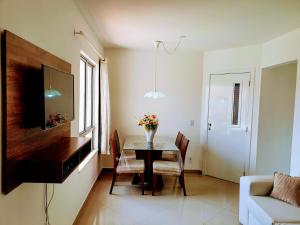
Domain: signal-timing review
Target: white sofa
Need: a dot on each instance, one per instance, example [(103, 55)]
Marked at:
[(257, 208)]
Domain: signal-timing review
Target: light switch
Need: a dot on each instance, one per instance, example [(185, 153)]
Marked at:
[(192, 123)]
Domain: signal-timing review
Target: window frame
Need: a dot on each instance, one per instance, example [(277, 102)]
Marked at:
[(86, 130)]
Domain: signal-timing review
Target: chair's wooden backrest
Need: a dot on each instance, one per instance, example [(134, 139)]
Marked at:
[(178, 139), (117, 141), (183, 147), (114, 150)]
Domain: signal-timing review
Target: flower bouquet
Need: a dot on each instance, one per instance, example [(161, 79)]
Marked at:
[(150, 124)]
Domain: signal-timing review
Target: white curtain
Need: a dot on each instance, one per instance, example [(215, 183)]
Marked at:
[(105, 109)]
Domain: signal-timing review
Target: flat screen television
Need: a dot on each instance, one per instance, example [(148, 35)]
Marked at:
[(58, 97)]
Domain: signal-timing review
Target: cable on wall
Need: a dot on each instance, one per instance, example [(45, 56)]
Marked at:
[(47, 204)]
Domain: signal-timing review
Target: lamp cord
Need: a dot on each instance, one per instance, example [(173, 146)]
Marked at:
[(50, 86), (155, 74), (170, 52), (47, 204)]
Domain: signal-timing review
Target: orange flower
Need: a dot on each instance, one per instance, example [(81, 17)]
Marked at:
[(149, 122)]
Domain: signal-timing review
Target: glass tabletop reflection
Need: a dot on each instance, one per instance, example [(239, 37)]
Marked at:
[(160, 143)]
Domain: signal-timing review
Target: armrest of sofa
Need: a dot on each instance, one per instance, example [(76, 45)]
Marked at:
[(257, 185), (252, 185)]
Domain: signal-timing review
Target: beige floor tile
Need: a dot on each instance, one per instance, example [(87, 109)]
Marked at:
[(210, 201), (225, 218), (186, 212)]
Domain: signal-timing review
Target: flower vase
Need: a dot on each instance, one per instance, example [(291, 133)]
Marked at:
[(150, 135)]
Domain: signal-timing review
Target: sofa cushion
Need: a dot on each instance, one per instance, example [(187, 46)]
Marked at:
[(286, 188), (268, 210)]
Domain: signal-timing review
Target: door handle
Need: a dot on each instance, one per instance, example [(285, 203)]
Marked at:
[(209, 126)]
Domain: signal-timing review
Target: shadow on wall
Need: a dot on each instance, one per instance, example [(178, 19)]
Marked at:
[(276, 116)]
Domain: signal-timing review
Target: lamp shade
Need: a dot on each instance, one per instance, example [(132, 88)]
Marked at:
[(154, 94)]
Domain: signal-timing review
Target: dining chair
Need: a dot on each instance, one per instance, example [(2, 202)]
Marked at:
[(125, 154), (163, 167), (178, 139), (171, 156), (123, 165)]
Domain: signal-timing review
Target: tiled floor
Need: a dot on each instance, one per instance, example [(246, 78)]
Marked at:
[(209, 202)]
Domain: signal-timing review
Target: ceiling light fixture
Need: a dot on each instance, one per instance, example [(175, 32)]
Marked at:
[(155, 94)]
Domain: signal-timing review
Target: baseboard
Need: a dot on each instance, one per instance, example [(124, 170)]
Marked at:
[(105, 170), (86, 199), (193, 171)]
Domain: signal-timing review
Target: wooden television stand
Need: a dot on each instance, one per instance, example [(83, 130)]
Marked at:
[(56, 162)]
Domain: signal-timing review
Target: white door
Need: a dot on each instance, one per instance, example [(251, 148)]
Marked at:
[(228, 126)]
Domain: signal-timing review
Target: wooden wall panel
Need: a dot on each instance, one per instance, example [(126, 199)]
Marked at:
[(22, 108)]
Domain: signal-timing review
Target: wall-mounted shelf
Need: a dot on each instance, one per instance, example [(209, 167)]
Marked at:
[(56, 162), (22, 106)]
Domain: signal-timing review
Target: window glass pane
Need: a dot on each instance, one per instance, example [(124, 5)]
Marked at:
[(82, 96), (236, 103), (89, 90)]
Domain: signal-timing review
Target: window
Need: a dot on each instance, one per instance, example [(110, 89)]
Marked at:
[(236, 104), (86, 98), (89, 104)]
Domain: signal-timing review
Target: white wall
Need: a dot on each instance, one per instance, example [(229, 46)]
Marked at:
[(247, 57), (131, 75), (280, 50), (283, 49), (277, 98), (243, 59), (50, 25)]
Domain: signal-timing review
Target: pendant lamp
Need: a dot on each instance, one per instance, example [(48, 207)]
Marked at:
[(155, 94)]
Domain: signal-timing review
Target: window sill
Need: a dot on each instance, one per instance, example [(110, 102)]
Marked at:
[(86, 160), (86, 132)]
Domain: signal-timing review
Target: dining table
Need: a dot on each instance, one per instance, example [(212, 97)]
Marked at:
[(149, 152)]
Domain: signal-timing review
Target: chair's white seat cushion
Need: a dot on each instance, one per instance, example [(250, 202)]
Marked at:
[(128, 154), (130, 166), (169, 156), (166, 167), (271, 211)]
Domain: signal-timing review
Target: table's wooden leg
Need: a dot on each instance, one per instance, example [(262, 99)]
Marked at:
[(149, 156)]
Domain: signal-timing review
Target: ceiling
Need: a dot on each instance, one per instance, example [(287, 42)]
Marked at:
[(208, 24)]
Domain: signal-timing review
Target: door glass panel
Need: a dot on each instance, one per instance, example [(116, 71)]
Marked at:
[(236, 104)]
